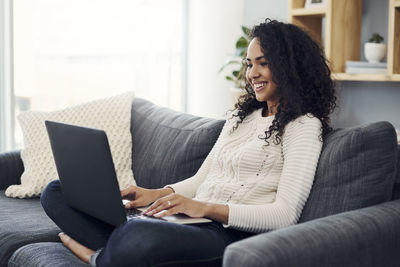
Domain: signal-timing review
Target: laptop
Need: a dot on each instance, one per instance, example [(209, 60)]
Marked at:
[(87, 175)]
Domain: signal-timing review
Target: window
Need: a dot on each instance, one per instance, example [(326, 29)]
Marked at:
[(6, 97), (71, 51)]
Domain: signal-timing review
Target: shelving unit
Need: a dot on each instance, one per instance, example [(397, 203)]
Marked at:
[(337, 28), (394, 38), (366, 77)]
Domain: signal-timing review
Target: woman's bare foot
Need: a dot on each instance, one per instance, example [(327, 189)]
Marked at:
[(78, 249)]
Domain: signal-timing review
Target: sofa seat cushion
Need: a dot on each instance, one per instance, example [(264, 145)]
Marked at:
[(356, 169), (22, 222), (45, 254), (168, 146)]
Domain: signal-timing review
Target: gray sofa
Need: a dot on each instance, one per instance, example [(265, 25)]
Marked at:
[(352, 217)]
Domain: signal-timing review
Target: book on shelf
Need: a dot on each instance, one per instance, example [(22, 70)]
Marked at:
[(365, 64), (361, 70)]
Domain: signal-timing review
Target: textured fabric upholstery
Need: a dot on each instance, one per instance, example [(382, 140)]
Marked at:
[(46, 254), (356, 169), (22, 221), (168, 146), (367, 237), (396, 188), (11, 168)]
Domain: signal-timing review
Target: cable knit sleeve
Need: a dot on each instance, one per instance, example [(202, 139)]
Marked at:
[(301, 148), (188, 187)]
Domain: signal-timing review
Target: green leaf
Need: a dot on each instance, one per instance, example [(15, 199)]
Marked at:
[(230, 61), (235, 73), (376, 38), (242, 43), (229, 78), (246, 31)]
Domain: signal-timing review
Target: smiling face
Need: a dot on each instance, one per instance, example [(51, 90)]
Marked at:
[(259, 75)]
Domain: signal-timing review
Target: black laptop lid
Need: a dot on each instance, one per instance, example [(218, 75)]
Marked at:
[(86, 171)]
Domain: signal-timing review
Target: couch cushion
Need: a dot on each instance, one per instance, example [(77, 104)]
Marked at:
[(168, 146), (46, 254), (22, 221), (356, 169), (11, 168)]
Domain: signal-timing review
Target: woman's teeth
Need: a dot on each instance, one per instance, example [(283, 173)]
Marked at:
[(259, 85)]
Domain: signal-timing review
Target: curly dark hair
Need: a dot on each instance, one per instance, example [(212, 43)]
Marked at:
[(302, 76)]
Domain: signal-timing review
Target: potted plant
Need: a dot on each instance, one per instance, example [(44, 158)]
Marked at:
[(375, 49), (235, 62)]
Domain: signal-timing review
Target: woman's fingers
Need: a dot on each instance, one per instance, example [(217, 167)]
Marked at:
[(133, 204), (164, 203), (128, 192), (168, 212)]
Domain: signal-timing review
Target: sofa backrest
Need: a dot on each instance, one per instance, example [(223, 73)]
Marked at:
[(357, 168), (168, 146)]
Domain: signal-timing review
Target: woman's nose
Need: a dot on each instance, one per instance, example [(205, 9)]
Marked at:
[(253, 72)]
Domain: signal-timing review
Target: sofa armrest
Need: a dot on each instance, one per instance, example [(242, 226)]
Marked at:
[(11, 168), (364, 237)]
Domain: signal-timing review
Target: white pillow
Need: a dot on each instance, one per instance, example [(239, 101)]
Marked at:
[(113, 115)]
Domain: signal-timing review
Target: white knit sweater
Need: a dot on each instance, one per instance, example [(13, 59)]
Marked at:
[(265, 187)]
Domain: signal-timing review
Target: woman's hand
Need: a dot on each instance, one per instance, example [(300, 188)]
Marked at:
[(141, 196), (174, 204)]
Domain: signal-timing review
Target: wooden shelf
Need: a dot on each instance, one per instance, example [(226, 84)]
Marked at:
[(366, 77), (394, 37), (320, 12), (337, 28), (340, 35)]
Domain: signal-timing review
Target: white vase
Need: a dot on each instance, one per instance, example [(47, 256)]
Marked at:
[(374, 52)]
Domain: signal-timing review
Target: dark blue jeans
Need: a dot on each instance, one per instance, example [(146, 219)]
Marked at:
[(140, 242)]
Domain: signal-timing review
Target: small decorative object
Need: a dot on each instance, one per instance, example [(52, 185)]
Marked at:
[(375, 49), (314, 3)]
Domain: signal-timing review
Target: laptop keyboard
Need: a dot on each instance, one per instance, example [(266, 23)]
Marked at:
[(135, 213), (132, 212)]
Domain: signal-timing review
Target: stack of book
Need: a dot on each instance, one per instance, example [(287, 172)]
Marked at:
[(354, 67)]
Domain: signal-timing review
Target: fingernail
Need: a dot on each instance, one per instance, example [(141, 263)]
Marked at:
[(60, 234), (159, 214)]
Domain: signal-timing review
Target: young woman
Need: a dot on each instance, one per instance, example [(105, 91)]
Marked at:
[(256, 178)]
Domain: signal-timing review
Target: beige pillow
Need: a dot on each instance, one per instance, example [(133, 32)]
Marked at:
[(113, 115)]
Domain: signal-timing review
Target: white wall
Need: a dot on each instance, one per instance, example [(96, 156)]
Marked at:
[(256, 11), (213, 29)]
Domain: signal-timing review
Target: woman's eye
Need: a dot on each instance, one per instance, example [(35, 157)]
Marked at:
[(264, 64)]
